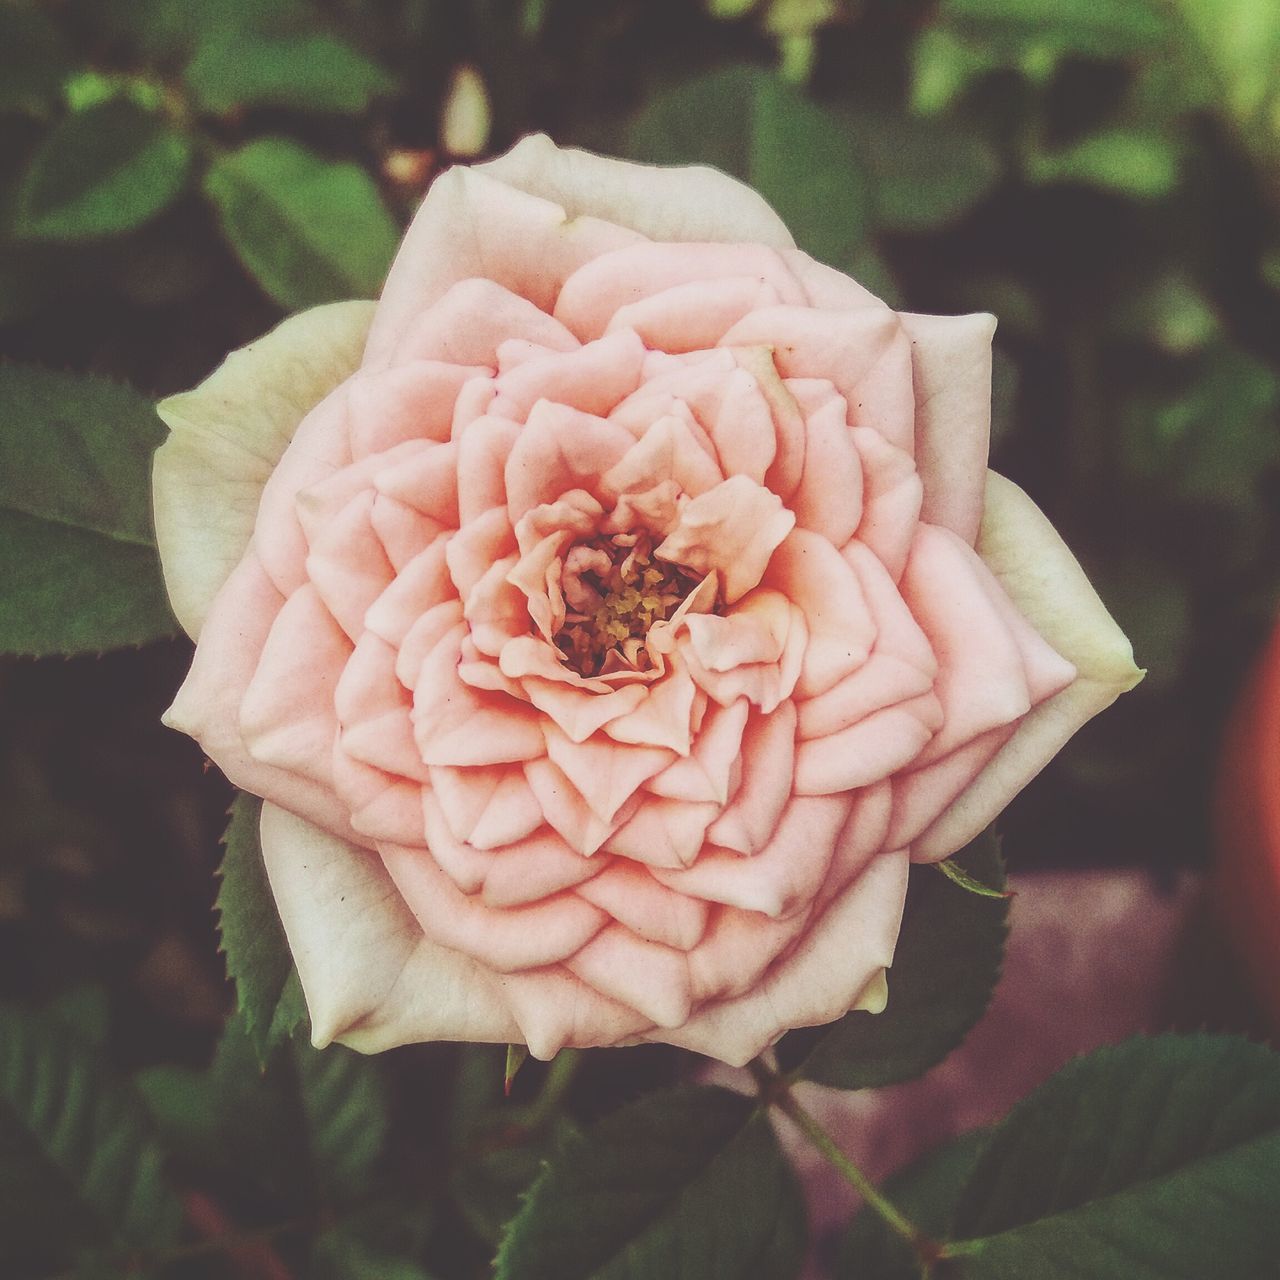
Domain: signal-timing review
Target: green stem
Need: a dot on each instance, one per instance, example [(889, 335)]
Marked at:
[(775, 1090), (564, 1066)]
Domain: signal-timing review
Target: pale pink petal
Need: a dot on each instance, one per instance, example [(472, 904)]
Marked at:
[(286, 721), (473, 225), (455, 724), (382, 805), (765, 685), (630, 894), (374, 708), (891, 499), (951, 364), (486, 807), (768, 754), (737, 949), (662, 716), (496, 610), (668, 450), (565, 809), (733, 530), (477, 399), (785, 875), (403, 532), (424, 635), (788, 422), (694, 315), (605, 773), (595, 292), (554, 1009), (207, 706), (469, 321), (523, 872), (843, 954), (663, 833), (1043, 579), (981, 674), (412, 401), (651, 978), (423, 583), (827, 288), (475, 547), (866, 353), (560, 449), (369, 976), (426, 480), (865, 834), (579, 713), (504, 938), (593, 378), (705, 774), (483, 450), (741, 426), (810, 572), (828, 499), (754, 630), (348, 565), (871, 749)]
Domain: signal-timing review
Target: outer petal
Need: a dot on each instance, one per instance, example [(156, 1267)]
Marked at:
[(371, 979), (1044, 580), (951, 369), (227, 436)]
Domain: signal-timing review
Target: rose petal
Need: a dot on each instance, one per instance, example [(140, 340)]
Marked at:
[(768, 755), (652, 979)]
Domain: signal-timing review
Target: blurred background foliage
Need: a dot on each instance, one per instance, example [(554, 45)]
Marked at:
[(1104, 175)]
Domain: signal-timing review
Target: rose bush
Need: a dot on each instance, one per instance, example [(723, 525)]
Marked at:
[(610, 615)]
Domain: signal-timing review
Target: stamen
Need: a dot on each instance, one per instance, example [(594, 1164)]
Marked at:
[(615, 591)]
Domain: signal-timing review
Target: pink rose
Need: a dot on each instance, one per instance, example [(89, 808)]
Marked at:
[(610, 627)]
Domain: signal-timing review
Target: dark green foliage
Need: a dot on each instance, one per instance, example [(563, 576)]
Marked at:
[(944, 970), (77, 554)]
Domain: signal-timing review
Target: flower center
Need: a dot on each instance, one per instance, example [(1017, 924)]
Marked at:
[(614, 591)]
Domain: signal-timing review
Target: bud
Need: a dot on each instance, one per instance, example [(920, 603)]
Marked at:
[(465, 121)]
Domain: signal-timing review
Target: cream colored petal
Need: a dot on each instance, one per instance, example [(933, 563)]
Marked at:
[(951, 370), (226, 437), (370, 977), (1047, 584), (683, 204)]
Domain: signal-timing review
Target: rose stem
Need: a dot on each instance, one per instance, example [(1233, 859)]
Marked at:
[(775, 1090)]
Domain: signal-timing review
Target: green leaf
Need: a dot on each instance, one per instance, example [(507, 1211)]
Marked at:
[(34, 60), (382, 1244), (1155, 1160), (970, 884), (346, 1117), (309, 230), (944, 970), (163, 29), (306, 1130), (77, 555), (1098, 27), (312, 72), (924, 175), (100, 172), (683, 1185), (253, 940), (1142, 163), (790, 149), (926, 1193), (80, 1167)]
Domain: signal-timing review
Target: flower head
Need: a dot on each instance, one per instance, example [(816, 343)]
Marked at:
[(611, 624)]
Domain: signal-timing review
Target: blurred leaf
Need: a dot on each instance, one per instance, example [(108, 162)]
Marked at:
[(90, 88), (80, 1167), (100, 172), (683, 1185), (313, 72), (942, 68), (1156, 1158), (258, 957), (489, 1186), (790, 149), (924, 175), (1171, 312), (380, 1246), (1152, 604), (1214, 442), (944, 970), (307, 1128), (1144, 163), (346, 1117), (926, 1193), (76, 551), (165, 28), (307, 229), (1098, 27), (34, 60)]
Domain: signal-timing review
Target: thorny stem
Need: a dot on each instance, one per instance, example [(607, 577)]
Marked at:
[(775, 1090)]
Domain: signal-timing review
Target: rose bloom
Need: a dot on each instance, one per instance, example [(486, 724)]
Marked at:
[(610, 615)]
